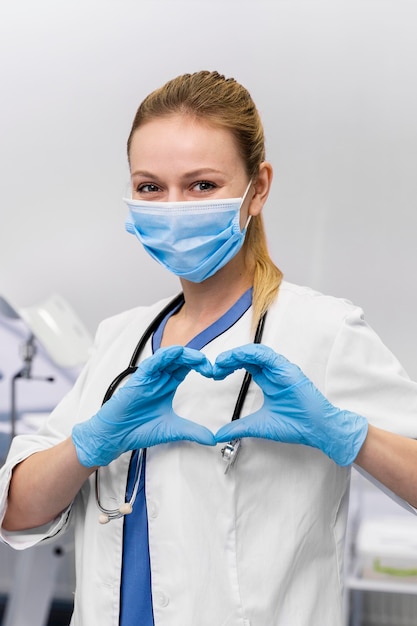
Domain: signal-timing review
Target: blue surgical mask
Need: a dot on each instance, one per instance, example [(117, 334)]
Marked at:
[(191, 239)]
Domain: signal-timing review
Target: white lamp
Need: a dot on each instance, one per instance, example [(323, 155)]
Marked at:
[(60, 332), (57, 328)]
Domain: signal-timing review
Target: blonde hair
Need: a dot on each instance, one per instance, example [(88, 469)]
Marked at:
[(223, 102)]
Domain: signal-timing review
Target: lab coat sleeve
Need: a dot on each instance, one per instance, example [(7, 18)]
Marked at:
[(363, 376), (366, 378)]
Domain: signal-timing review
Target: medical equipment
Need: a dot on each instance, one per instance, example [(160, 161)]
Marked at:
[(53, 329), (229, 452), (27, 352), (56, 326)]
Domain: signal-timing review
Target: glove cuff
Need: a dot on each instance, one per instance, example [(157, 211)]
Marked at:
[(347, 438), (92, 450)]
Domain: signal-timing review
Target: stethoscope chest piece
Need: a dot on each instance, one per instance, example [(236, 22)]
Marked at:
[(230, 452)]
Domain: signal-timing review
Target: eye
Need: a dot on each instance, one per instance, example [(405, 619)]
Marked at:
[(204, 185), (147, 188)]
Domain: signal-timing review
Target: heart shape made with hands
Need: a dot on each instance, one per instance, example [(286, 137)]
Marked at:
[(140, 413), (293, 410), (269, 370)]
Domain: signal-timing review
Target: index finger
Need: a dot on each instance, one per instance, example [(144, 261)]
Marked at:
[(251, 357), (191, 359)]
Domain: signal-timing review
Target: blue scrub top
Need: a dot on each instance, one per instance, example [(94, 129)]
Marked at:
[(136, 594)]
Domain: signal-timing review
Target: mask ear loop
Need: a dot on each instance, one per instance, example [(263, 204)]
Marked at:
[(246, 190), (243, 202), (247, 222)]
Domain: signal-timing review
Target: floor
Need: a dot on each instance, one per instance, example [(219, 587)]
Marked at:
[(60, 614)]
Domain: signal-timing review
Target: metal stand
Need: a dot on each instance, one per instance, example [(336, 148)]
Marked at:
[(28, 353), (33, 586)]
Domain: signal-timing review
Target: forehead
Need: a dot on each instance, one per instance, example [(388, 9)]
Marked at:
[(183, 139)]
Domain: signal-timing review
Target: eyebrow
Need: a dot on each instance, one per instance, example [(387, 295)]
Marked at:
[(143, 173), (193, 174)]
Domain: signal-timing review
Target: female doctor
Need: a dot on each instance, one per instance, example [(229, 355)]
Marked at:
[(292, 399)]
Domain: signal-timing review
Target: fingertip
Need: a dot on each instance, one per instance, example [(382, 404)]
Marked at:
[(198, 361), (206, 369), (204, 436), (230, 360), (209, 440), (219, 372), (223, 435), (224, 357)]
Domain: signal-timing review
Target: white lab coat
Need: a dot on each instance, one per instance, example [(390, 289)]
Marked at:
[(263, 544)]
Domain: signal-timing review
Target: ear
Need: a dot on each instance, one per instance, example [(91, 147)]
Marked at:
[(261, 186)]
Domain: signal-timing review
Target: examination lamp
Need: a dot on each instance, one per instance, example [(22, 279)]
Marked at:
[(57, 328)]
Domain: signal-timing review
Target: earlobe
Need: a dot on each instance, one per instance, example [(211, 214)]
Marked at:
[(262, 186)]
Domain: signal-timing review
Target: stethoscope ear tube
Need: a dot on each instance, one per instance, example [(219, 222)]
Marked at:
[(106, 515)]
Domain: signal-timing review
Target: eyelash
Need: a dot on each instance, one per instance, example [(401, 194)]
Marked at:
[(210, 185), (142, 188), (152, 188)]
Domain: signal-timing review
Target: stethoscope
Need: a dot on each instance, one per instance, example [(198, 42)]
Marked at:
[(230, 450)]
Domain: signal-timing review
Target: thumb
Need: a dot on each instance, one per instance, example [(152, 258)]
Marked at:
[(254, 425), (228, 432)]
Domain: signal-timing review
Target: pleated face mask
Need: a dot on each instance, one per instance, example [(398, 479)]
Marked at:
[(193, 240)]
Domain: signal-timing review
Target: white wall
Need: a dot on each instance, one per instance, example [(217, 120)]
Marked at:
[(335, 83)]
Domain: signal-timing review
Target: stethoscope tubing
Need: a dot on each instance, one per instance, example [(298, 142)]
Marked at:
[(132, 367), (232, 447)]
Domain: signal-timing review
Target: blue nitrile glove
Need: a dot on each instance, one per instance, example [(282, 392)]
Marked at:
[(140, 413), (294, 410)]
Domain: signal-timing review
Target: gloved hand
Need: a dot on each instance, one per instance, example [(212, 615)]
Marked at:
[(140, 413), (294, 410)]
